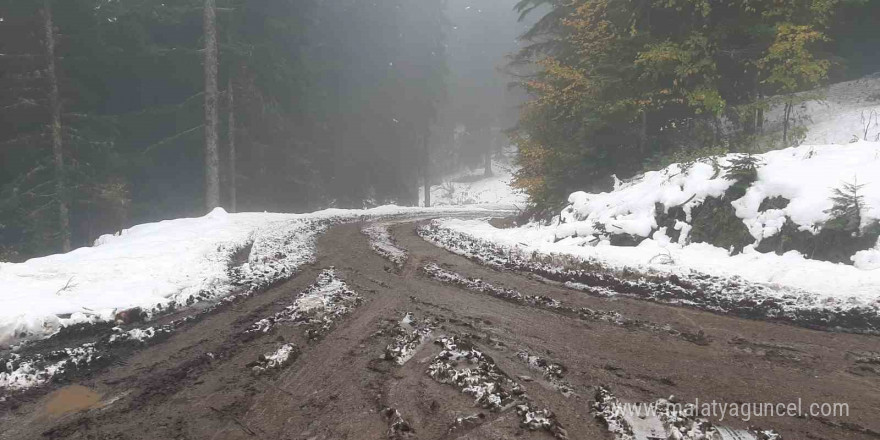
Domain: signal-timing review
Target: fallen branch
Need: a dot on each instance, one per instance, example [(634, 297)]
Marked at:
[(66, 287)]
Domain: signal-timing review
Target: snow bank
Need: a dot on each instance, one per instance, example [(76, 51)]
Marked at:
[(805, 175), (630, 207), (158, 265), (145, 266)]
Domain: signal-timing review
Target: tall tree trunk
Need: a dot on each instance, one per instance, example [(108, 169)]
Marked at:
[(55, 128), (643, 132), (233, 202), (759, 120), (759, 117), (759, 113), (426, 171), (212, 155), (785, 121)]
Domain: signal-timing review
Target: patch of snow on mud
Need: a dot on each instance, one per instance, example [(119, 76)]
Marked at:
[(462, 365), (409, 336), (325, 301), (275, 359), (140, 334), (467, 421), (541, 419), (664, 420), (551, 371), (19, 374), (398, 427), (474, 373), (278, 250), (382, 242)]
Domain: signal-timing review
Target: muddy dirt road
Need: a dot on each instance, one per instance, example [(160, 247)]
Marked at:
[(372, 351)]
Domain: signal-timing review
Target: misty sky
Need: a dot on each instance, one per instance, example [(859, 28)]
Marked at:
[(482, 34)]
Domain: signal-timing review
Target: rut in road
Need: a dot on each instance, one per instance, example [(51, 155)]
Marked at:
[(365, 373)]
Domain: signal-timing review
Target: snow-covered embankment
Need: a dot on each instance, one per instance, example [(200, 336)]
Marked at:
[(160, 266), (805, 177)]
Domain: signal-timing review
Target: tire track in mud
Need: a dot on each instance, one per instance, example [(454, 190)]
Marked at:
[(313, 312), (452, 356), (437, 273)]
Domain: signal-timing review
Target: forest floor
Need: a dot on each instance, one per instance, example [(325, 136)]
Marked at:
[(421, 343)]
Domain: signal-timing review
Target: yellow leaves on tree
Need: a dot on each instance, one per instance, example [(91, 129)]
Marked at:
[(791, 65)]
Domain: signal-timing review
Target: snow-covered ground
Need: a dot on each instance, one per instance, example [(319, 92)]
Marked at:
[(163, 265), (846, 112), (471, 188), (804, 175)]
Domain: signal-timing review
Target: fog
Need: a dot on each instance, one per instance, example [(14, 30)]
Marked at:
[(169, 110), (483, 101)]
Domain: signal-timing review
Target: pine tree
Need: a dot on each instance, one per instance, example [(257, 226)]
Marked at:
[(743, 168), (230, 129), (846, 214), (55, 128), (743, 171)]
